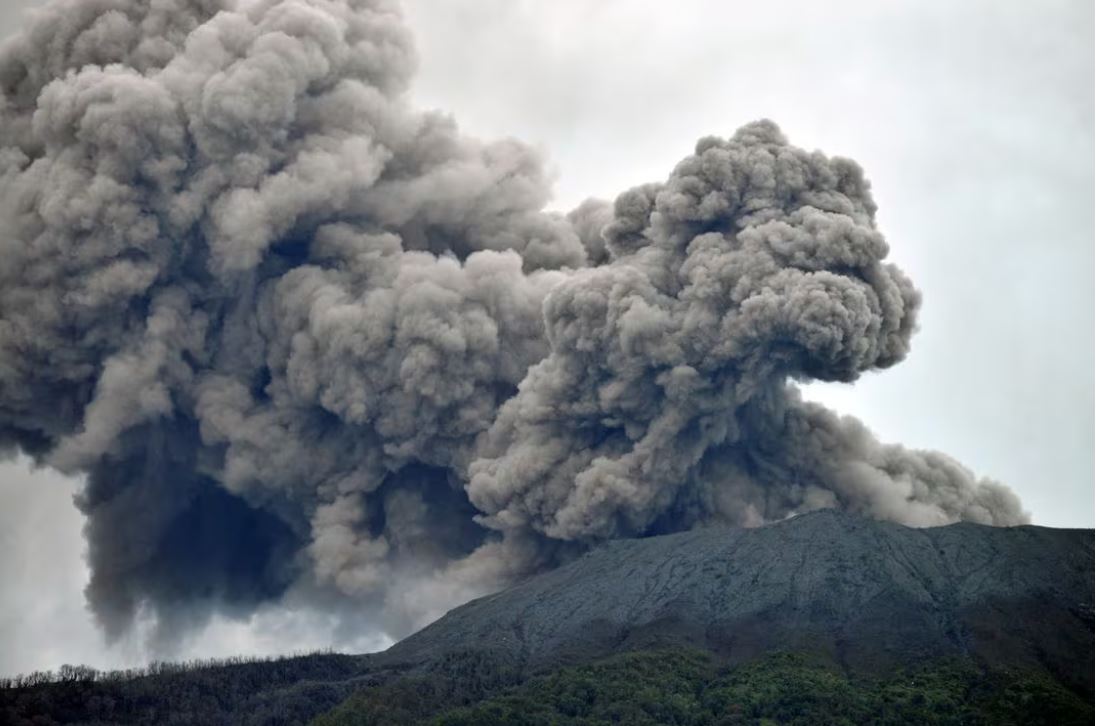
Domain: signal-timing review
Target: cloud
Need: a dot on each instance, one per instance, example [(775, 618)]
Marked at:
[(310, 344)]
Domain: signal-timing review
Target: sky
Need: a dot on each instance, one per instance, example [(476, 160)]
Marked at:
[(973, 120)]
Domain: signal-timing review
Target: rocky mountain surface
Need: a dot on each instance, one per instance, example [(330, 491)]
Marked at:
[(868, 594)]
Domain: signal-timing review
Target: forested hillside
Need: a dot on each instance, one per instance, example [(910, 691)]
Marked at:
[(260, 691), (690, 688)]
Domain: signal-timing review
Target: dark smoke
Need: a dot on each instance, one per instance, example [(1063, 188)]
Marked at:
[(301, 337)]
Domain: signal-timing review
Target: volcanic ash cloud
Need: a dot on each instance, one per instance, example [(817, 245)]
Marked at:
[(306, 341)]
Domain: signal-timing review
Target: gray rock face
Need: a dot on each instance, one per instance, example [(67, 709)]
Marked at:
[(867, 594)]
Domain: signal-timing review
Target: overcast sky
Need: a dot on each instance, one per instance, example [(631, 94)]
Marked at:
[(974, 121)]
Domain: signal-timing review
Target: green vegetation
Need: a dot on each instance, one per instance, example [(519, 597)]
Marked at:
[(688, 688), (458, 679), (678, 687)]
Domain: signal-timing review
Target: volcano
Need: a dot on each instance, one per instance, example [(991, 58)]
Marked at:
[(998, 620), (863, 593)]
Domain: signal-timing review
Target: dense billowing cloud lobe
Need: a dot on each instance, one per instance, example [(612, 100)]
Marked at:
[(303, 338)]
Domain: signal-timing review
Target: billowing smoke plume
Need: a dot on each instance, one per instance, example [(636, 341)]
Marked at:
[(302, 338)]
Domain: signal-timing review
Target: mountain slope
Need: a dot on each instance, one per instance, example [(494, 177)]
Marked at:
[(867, 594), (969, 610)]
